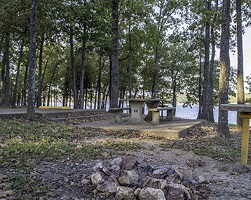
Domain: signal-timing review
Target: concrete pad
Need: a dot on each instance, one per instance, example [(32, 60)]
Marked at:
[(171, 129)]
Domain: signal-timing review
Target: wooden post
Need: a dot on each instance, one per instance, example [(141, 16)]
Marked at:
[(245, 137)]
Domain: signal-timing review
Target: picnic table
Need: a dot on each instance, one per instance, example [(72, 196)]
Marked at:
[(245, 114), (137, 117)]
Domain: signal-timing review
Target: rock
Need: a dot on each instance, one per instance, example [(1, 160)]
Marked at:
[(124, 180), (107, 187), (176, 194), (151, 194), (85, 181), (128, 162), (177, 191), (136, 192), (98, 167), (130, 178), (116, 161), (153, 183), (124, 193), (133, 177), (160, 171), (177, 177), (201, 179), (96, 178), (106, 171), (115, 165), (158, 183)]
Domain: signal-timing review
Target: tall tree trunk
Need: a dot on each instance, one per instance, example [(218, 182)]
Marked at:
[(114, 72), (200, 88), (39, 91), (155, 75), (6, 73), (211, 67), (49, 89), (82, 81), (205, 96), (14, 97), (99, 80), (32, 63), (24, 92), (240, 84), (224, 69), (74, 88), (130, 60)]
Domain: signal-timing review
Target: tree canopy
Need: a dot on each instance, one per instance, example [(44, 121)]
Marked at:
[(91, 52)]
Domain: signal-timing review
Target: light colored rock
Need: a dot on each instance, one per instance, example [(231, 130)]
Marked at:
[(115, 164), (160, 171), (98, 167), (133, 177), (96, 178), (201, 179), (107, 186), (116, 161), (124, 193), (151, 194), (136, 192), (124, 180)]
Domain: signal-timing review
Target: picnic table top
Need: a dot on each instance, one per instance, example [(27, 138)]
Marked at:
[(236, 107), (143, 100)]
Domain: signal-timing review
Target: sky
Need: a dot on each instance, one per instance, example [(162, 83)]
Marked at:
[(246, 54)]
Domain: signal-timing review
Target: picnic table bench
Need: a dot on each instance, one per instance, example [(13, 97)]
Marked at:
[(118, 113), (156, 114)]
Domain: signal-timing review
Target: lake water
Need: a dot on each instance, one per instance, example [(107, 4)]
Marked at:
[(192, 113)]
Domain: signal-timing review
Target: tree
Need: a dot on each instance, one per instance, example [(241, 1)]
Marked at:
[(240, 83), (114, 75), (206, 84), (224, 69), (32, 63)]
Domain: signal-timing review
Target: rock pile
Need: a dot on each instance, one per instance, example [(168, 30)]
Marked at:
[(125, 178)]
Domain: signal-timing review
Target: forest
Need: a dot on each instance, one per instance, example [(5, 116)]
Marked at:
[(90, 53)]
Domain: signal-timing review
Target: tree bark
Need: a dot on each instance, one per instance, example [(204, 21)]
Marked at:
[(199, 92), (130, 60), (39, 92), (240, 83), (83, 70), (13, 104), (32, 63), (6, 73), (114, 73), (224, 69), (25, 85), (74, 88), (205, 96), (211, 67)]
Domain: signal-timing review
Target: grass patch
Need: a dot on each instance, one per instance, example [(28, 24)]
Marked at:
[(216, 147), (24, 143), (24, 187)]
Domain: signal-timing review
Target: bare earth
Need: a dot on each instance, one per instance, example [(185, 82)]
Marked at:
[(224, 177), (225, 180)]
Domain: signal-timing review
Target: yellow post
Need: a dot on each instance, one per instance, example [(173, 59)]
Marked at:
[(245, 138)]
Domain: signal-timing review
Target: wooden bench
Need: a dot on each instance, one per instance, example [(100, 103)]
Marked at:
[(156, 115), (118, 113), (55, 107)]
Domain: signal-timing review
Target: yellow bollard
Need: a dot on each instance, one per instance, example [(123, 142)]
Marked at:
[(245, 138)]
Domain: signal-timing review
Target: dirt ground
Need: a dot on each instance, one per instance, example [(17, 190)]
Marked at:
[(223, 176), (224, 179)]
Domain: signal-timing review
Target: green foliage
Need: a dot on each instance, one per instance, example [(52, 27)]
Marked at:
[(165, 34)]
